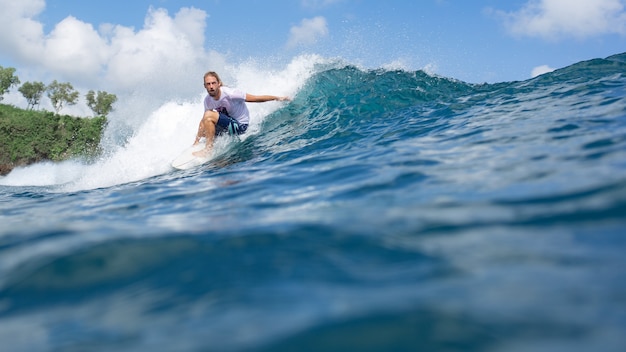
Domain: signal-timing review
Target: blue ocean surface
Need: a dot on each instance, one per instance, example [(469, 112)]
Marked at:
[(379, 210)]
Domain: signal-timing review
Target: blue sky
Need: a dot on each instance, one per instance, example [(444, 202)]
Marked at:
[(475, 41)]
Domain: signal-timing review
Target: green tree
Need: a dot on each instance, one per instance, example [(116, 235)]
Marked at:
[(102, 103), (7, 80), (61, 93), (32, 91)]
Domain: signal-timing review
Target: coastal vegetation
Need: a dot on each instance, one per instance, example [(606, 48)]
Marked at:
[(28, 135)]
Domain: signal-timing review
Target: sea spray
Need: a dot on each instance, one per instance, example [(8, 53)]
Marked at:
[(143, 144)]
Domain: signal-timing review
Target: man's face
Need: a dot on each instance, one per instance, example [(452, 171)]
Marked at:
[(212, 86)]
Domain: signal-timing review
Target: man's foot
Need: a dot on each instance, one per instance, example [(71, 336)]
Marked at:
[(202, 153)]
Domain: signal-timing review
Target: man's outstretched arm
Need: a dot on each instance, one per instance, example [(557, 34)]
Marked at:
[(263, 98)]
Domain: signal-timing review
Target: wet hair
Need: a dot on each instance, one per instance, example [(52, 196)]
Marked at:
[(214, 74)]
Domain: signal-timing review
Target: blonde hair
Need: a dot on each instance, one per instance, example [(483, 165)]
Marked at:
[(214, 74)]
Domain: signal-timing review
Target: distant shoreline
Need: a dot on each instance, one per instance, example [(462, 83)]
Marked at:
[(32, 136)]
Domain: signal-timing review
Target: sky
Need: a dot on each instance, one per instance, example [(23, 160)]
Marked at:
[(166, 45)]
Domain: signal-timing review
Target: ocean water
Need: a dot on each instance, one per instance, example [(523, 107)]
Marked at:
[(379, 210)]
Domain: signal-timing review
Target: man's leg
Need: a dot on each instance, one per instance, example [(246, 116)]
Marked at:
[(200, 132), (206, 129)]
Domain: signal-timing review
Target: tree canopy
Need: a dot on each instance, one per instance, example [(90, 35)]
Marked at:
[(8, 79), (32, 91), (60, 94), (102, 103)]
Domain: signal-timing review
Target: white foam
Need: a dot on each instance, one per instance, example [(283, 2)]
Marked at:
[(43, 174)]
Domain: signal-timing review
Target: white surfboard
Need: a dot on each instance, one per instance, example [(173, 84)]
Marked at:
[(186, 160)]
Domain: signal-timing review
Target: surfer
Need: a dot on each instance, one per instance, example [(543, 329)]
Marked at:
[(225, 111)]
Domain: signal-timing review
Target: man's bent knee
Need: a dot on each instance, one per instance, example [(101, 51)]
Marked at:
[(211, 116)]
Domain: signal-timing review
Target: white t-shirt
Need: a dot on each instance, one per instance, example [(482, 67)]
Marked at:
[(232, 102)]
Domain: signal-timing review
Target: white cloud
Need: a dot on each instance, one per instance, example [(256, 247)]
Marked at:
[(540, 70), (309, 31), (74, 49), (192, 23), (159, 51), (20, 34), (165, 57), (554, 19)]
